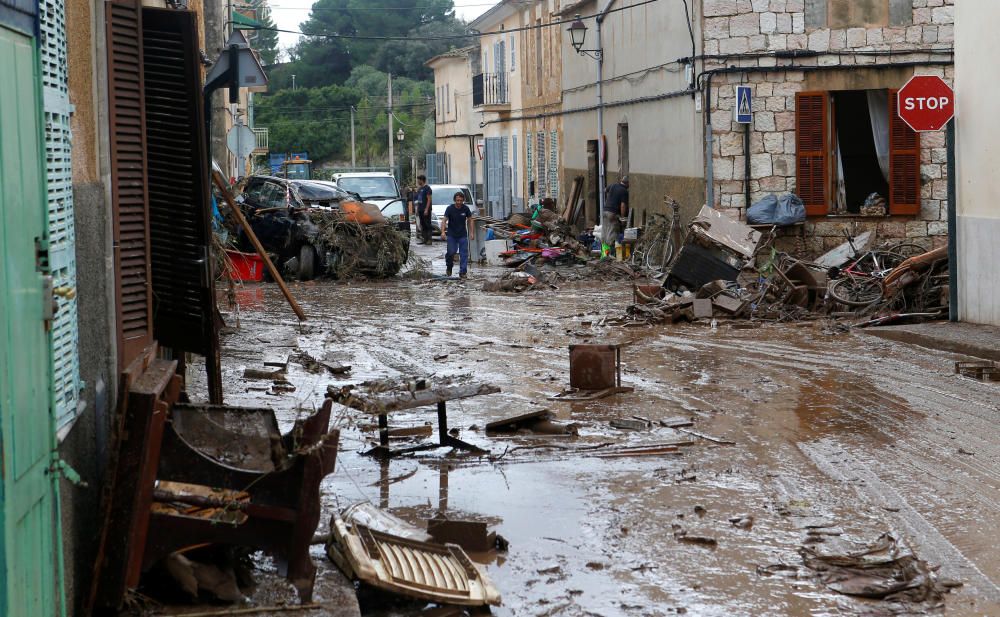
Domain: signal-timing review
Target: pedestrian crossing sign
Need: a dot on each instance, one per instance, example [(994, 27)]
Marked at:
[(742, 111)]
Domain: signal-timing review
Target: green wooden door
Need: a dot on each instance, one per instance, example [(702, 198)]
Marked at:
[(28, 558)]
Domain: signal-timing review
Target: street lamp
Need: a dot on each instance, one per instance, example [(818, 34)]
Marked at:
[(400, 135), (577, 35)]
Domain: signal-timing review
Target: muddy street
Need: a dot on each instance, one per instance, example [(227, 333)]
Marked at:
[(800, 435)]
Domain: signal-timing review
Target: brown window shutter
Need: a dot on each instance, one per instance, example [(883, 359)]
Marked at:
[(179, 198), (811, 151), (128, 178), (904, 164)]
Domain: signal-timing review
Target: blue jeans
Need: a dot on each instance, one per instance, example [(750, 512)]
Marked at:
[(460, 246)]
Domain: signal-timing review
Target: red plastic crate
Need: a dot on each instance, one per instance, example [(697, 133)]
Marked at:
[(248, 267)]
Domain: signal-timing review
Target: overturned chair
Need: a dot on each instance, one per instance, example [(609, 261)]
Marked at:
[(227, 476)]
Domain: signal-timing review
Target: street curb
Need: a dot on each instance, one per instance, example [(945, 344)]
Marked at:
[(967, 339)]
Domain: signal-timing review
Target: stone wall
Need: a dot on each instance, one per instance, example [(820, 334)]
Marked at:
[(833, 31)]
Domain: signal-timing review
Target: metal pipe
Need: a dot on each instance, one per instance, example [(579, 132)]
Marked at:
[(709, 158), (746, 164), (952, 227), (601, 149)]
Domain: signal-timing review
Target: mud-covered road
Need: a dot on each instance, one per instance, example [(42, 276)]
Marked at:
[(834, 431)]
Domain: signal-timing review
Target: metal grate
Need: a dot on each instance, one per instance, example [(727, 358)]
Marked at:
[(553, 164), (65, 334)]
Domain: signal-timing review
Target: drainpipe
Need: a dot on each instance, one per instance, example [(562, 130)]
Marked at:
[(952, 227), (709, 163), (601, 149)]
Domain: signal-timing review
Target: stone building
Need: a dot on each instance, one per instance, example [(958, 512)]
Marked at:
[(456, 125), (823, 76)]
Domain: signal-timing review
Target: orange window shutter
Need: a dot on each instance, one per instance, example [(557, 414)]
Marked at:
[(904, 163), (811, 148)]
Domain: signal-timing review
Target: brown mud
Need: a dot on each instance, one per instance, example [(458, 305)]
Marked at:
[(835, 434)]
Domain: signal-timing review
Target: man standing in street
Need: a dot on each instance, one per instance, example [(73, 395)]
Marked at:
[(423, 206), (457, 227), (615, 206)]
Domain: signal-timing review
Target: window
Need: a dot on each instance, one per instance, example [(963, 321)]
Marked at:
[(529, 164), (623, 149), (447, 98), (542, 166), (850, 145), (513, 53)]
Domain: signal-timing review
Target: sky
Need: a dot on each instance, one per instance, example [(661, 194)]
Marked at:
[(288, 14)]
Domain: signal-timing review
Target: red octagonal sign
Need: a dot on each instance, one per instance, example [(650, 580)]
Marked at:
[(926, 103)]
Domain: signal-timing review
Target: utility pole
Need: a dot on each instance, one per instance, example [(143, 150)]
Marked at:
[(354, 160), (391, 153)]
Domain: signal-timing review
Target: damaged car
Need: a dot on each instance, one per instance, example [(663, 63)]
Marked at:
[(315, 228)]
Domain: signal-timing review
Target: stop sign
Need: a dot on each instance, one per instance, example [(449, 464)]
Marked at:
[(926, 103)]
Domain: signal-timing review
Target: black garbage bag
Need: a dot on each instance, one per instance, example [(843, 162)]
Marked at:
[(773, 210)]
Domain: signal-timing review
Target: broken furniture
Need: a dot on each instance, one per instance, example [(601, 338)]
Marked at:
[(380, 398), (239, 449), (539, 422), (595, 371), (983, 370), (717, 247), (183, 476), (393, 556)]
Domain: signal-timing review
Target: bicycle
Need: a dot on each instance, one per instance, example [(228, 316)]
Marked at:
[(861, 282), (661, 240)]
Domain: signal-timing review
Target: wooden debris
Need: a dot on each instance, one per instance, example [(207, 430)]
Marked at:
[(257, 373)]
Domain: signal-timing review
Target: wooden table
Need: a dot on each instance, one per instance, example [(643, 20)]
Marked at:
[(402, 398)]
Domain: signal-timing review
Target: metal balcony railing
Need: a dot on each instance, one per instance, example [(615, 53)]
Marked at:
[(262, 136), (489, 89)]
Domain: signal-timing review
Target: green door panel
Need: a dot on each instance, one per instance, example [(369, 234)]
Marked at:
[(28, 559)]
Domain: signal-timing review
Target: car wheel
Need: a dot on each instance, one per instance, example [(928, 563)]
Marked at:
[(307, 263)]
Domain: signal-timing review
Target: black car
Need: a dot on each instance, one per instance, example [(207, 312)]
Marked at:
[(293, 219)]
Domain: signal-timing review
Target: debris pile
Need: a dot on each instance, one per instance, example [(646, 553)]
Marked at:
[(882, 570), (540, 236), (726, 270), (354, 249), (527, 275)]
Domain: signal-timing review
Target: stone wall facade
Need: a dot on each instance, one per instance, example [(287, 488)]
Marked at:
[(839, 56)]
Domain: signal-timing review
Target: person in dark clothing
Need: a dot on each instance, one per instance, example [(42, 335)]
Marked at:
[(423, 205), (457, 228), (615, 208)]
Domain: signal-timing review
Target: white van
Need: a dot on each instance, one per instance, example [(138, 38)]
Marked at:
[(375, 187)]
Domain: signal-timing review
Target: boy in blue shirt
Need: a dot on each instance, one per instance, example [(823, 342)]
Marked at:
[(457, 227)]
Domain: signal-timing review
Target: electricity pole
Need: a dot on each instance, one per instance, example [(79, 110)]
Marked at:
[(391, 153), (354, 161)]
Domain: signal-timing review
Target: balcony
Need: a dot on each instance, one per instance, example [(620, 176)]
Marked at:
[(262, 135), (489, 91)]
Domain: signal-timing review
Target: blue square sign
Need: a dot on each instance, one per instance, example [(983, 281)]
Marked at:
[(744, 105)]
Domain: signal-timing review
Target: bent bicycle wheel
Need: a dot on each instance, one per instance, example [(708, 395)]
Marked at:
[(659, 253), (856, 290)]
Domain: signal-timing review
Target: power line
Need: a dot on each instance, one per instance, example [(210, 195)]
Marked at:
[(452, 37), (379, 8)]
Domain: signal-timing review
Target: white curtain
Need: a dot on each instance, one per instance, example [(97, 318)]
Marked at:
[(878, 110), (841, 187)]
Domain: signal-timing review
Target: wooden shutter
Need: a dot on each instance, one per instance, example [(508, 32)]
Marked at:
[(179, 198), (904, 163), (811, 146), (130, 209)]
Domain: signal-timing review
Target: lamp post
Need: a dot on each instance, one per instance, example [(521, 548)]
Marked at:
[(578, 34)]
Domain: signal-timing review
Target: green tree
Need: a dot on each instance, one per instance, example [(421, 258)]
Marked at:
[(265, 41)]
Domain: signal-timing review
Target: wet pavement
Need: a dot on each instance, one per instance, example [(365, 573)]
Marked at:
[(833, 434)]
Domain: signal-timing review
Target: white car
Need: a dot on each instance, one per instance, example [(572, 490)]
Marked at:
[(442, 196), (376, 187)]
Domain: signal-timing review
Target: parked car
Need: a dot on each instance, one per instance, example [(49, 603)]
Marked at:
[(294, 220), (376, 187), (442, 196)]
